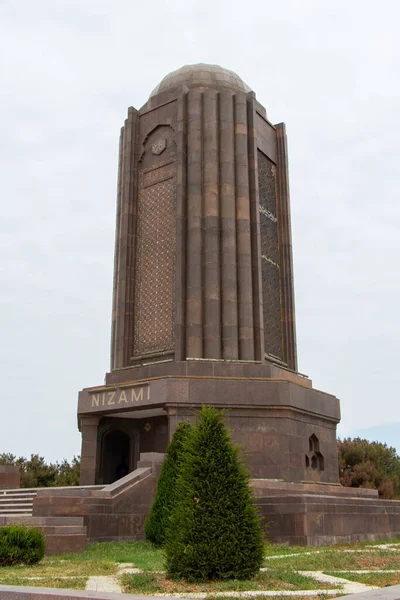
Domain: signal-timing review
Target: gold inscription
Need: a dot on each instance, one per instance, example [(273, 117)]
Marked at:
[(136, 394), (122, 397)]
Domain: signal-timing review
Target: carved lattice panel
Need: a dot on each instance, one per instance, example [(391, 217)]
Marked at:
[(270, 267), (155, 261)]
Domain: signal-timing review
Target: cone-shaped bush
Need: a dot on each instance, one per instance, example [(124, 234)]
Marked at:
[(215, 530), (165, 497)]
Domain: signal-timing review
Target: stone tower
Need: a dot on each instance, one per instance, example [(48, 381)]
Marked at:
[(203, 259), (203, 301)]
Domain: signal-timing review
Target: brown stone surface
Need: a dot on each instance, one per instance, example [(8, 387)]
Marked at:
[(62, 535), (300, 518), (274, 418), (9, 477), (117, 511)]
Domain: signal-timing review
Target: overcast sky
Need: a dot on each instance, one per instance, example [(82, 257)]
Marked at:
[(68, 72)]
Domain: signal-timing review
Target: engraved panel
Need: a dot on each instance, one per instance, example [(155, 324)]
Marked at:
[(155, 260), (153, 176), (270, 268)]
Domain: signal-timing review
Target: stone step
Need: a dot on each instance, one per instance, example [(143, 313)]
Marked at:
[(63, 534), (6, 512), (8, 501), (21, 500), (15, 494), (19, 491), (64, 530), (24, 498), (23, 510), (42, 521), (26, 508)]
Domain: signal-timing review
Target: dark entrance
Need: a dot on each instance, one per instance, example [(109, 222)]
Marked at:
[(116, 456)]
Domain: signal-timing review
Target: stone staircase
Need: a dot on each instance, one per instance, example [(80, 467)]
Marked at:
[(63, 534), (17, 502), (71, 516)]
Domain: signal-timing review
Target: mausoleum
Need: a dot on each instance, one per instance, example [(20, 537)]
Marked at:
[(203, 305)]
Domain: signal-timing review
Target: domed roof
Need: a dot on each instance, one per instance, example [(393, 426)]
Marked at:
[(202, 76)]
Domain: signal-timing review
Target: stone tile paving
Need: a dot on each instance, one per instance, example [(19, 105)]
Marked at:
[(103, 584)]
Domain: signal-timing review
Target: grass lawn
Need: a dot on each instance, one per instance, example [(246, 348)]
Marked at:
[(336, 560), (376, 579), (142, 554), (277, 579), (75, 583), (103, 559), (99, 559)]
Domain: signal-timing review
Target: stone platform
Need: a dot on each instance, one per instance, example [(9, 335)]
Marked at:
[(304, 514), (314, 514)]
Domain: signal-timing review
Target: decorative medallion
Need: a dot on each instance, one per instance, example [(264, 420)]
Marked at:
[(147, 427), (159, 146)]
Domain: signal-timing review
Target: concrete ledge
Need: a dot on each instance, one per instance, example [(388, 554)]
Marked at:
[(124, 483), (78, 490), (14, 592), (266, 487), (387, 593)]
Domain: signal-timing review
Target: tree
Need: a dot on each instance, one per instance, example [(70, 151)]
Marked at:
[(165, 498), (215, 530), (369, 465), (68, 474), (35, 472)]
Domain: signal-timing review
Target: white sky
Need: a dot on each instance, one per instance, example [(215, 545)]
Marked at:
[(68, 72)]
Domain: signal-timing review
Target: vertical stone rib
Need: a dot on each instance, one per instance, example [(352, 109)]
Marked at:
[(124, 303), (131, 252), (194, 279), (230, 349), (285, 250), (212, 293), (180, 291), (244, 275), (116, 255), (255, 232)]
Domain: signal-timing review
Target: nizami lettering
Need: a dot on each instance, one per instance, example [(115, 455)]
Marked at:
[(138, 396), (125, 396)]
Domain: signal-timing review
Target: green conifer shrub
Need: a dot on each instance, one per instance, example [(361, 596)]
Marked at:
[(21, 545), (165, 497), (215, 531)]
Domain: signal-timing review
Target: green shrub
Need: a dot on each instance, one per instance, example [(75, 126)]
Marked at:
[(20, 545), (165, 497), (369, 465), (215, 530)]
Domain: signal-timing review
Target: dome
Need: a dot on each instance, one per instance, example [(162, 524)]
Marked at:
[(202, 76)]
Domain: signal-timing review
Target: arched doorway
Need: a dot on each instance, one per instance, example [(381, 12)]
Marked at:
[(116, 455)]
